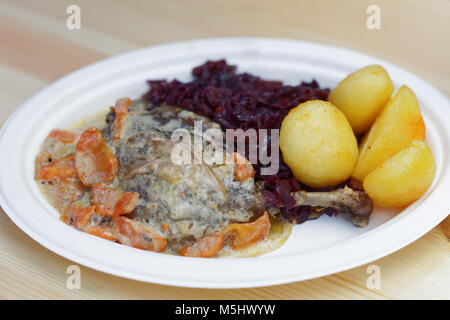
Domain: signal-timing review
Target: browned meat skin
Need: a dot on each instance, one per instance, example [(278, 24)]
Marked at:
[(194, 200)]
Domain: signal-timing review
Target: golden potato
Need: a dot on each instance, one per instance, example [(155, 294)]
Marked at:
[(395, 128), (362, 95), (403, 178), (318, 144)]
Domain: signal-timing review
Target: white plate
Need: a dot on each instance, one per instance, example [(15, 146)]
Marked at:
[(315, 248)]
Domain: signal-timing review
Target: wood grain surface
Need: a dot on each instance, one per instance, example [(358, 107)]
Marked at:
[(36, 48)]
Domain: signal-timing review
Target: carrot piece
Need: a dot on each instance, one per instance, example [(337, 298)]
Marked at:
[(43, 158), (205, 247), (77, 215), (121, 110), (127, 202), (63, 135), (137, 235), (64, 186), (94, 160), (102, 232), (244, 234), (109, 201), (80, 217), (165, 227), (244, 169), (65, 192), (59, 170)]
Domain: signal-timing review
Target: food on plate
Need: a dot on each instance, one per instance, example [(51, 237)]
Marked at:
[(244, 234), (120, 179), (94, 160), (58, 170), (63, 135), (206, 247), (362, 95), (356, 205), (395, 128), (318, 144), (112, 202), (403, 178)]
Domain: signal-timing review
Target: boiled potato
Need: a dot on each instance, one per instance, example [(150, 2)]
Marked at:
[(395, 128), (362, 95), (318, 144), (403, 178)]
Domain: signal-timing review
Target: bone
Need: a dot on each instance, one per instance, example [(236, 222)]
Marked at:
[(356, 205)]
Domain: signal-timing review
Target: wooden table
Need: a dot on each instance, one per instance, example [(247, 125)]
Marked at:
[(36, 48)]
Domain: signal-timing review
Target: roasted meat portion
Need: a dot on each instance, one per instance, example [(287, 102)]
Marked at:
[(190, 200)]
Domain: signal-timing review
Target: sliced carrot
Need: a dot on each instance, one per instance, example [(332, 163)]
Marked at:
[(109, 201), (205, 247), (121, 110), (165, 227), (137, 235), (63, 135), (59, 170), (126, 203), (65, 192), (80, 216), (94, 160), (244, 234), (43, 158), (244, 169), (102, 232), (77, 215), (64, 186)]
